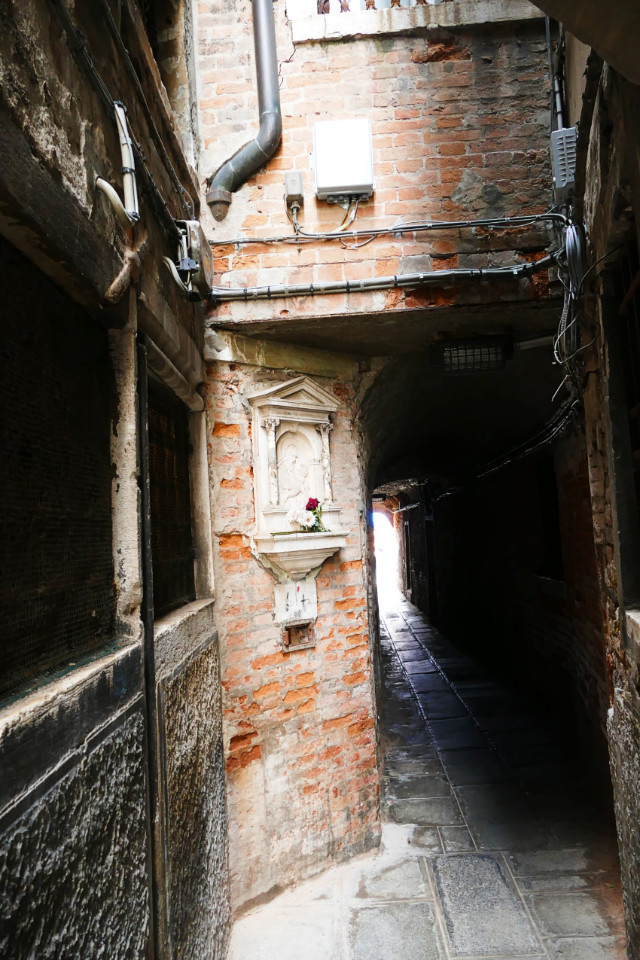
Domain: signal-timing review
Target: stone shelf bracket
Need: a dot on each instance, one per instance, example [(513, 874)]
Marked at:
[(292, 462)]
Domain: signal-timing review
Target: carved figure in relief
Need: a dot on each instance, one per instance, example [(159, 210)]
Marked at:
[(293, 471)]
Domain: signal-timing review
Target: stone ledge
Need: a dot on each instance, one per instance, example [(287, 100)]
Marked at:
[(181, 634), (371, 23), (50, 727)]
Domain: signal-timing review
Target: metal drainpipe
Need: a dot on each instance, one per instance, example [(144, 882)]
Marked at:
[(250, 158)]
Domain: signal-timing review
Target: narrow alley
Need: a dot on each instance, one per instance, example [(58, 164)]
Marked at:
[(320, 495), (490, 845)]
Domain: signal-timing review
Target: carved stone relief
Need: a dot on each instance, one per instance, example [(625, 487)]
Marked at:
[(292, 463)]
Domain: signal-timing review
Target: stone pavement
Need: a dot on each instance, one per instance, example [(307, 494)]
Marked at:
[(490, 849)]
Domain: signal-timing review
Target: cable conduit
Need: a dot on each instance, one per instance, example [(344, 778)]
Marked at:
[(277, 291), (412, 226)]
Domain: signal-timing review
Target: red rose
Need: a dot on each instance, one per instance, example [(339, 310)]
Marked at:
[(312, 504)]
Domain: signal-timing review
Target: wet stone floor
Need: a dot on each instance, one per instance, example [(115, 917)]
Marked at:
[(490, 849)]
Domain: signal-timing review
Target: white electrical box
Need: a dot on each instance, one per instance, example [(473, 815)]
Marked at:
[(343, 159), (563, 160)]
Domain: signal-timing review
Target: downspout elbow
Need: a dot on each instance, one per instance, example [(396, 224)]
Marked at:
[(245, 163), (254, 155), (270, 132)]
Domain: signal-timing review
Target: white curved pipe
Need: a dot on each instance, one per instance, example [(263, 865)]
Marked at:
[(173, 270), (128, 162), (125, 219)]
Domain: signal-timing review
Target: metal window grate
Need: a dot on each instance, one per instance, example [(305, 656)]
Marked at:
[(473, 356), (55, 484), (171, 536)]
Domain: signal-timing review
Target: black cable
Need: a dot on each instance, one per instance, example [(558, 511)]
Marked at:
[(417, 226), (556, 425)]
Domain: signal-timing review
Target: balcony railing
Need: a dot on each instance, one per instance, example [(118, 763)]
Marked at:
[(349, 6)]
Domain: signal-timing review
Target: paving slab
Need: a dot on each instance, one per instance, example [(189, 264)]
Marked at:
[(416, 654), (402, 840), (438, 811), (414, 667), (399, 881), (512, 834), (583, 948), (406, 931), (410, 752), (460, 733), (543, 862), (555, 882), (482, 914), (456, 839), (429, 683), (427, 839), (420, 766), (441, 706), (475, 766), (407, 787), (494, 801), (569, 915)]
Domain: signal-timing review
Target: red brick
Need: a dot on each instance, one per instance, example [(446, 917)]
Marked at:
[(226, 429)]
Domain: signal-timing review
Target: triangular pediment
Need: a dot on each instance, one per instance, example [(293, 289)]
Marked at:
[(301, 393)]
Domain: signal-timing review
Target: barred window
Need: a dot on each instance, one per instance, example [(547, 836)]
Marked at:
[(55, 484), (171, 535)]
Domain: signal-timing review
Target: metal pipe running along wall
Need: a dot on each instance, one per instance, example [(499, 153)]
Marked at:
[(282, 290), (255, 154)]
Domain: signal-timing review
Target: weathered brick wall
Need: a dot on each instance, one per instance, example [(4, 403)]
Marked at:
[(299, 728), (460, 130), (609, 169)]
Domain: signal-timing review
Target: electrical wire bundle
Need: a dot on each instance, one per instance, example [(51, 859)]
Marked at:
[(572, 272)]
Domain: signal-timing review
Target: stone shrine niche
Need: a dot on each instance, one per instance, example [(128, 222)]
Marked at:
[(292, 463), (296, 466)]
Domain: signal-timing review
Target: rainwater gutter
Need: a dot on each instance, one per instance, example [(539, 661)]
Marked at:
[(434, 277), (255, 154)]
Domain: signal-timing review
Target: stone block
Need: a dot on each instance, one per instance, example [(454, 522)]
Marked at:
[(482, 915), (407, 930)]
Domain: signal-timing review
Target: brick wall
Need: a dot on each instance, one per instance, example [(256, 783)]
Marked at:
[(608, 163), (299, 728), (460, 130)]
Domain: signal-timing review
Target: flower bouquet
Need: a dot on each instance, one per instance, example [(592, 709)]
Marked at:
[(309, 519)]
